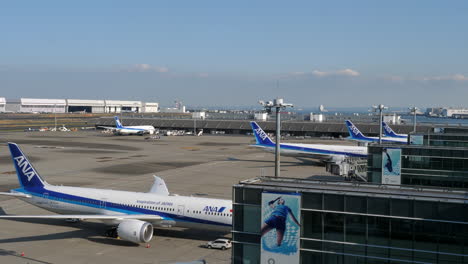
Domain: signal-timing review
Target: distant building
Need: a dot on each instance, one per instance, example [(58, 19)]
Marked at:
[(317, 117), (261, 116), (199, 115), (87, 106), (455, 112), (29, 105), (150, 107), (2, 104), (115, 106), (447, 112)]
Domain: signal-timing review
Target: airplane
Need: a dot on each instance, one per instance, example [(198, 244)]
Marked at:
[(320, 151), (119, 129), (356, 134), (132, 215), (388, 132)]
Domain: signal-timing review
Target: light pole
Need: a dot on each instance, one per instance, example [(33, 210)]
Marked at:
[(278, 104), (380, 108), (414, 110)]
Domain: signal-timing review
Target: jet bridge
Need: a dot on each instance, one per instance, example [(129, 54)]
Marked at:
[(352, 169)]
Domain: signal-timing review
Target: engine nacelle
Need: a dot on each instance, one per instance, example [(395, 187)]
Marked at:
[(135, 231)]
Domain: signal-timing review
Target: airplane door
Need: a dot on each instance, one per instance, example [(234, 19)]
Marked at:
[(102, 204), (181, 210)]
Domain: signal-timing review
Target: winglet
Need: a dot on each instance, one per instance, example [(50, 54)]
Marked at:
[(354, 132), (27, 175), (117, 122), (260, 136), (159, 186)]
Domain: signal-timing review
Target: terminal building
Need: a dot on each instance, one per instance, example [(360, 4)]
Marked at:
[(344, 222), (442, 166)]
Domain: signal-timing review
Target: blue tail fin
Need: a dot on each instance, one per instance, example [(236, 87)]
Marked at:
[(260, 136), (354, 131), (117, 122), (27, 175), (388, 131)]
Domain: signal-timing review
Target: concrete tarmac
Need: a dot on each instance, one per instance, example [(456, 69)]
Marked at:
[(205, 166)]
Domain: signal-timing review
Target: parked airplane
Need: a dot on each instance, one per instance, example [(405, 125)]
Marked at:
[(132, 214), (388, 132), (356, 134), (319, 151), (119, 129)]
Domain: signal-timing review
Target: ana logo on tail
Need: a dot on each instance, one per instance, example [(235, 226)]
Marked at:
[(25, 167), (354, 129), (387, 128), (261, 133)]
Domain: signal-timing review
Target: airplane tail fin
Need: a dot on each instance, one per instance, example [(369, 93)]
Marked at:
[(388, 131), (354, 132), (159, 186), (260, 136), (117, 122), (27, 175)]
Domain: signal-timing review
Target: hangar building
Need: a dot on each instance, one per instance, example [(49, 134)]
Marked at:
[(114, 106), (88, 106), (30, 105)]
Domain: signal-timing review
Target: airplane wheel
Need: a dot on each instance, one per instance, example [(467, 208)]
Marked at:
[(223, 248), (209, 247)]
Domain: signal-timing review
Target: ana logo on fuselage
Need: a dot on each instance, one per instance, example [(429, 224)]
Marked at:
[(261, 133), (214, 209), (23, 166)]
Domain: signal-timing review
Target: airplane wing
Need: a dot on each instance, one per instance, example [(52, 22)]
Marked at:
[(22, 195), (109, 128), (85, 217)]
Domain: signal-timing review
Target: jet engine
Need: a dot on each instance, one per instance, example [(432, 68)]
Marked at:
[(135, 231)]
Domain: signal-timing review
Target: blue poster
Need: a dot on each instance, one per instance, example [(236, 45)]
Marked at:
[(391, 166), (281, 228)]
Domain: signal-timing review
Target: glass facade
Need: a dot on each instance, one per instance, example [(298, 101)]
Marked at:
[(361, 225), (424, 165), (446, 139)]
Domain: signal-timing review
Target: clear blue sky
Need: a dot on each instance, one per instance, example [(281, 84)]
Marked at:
[(337, 53)]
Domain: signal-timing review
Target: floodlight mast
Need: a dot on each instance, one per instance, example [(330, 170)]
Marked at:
[(380, 108), (414, 110), (278, 104)]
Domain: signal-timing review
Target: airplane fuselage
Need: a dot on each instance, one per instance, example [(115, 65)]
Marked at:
[(175, 210), (132, 130), (317, 150)]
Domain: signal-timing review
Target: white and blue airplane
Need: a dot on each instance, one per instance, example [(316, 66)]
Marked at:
[(356, 134), (388, 132), (119, 129), (132, 215), (318, 151)]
